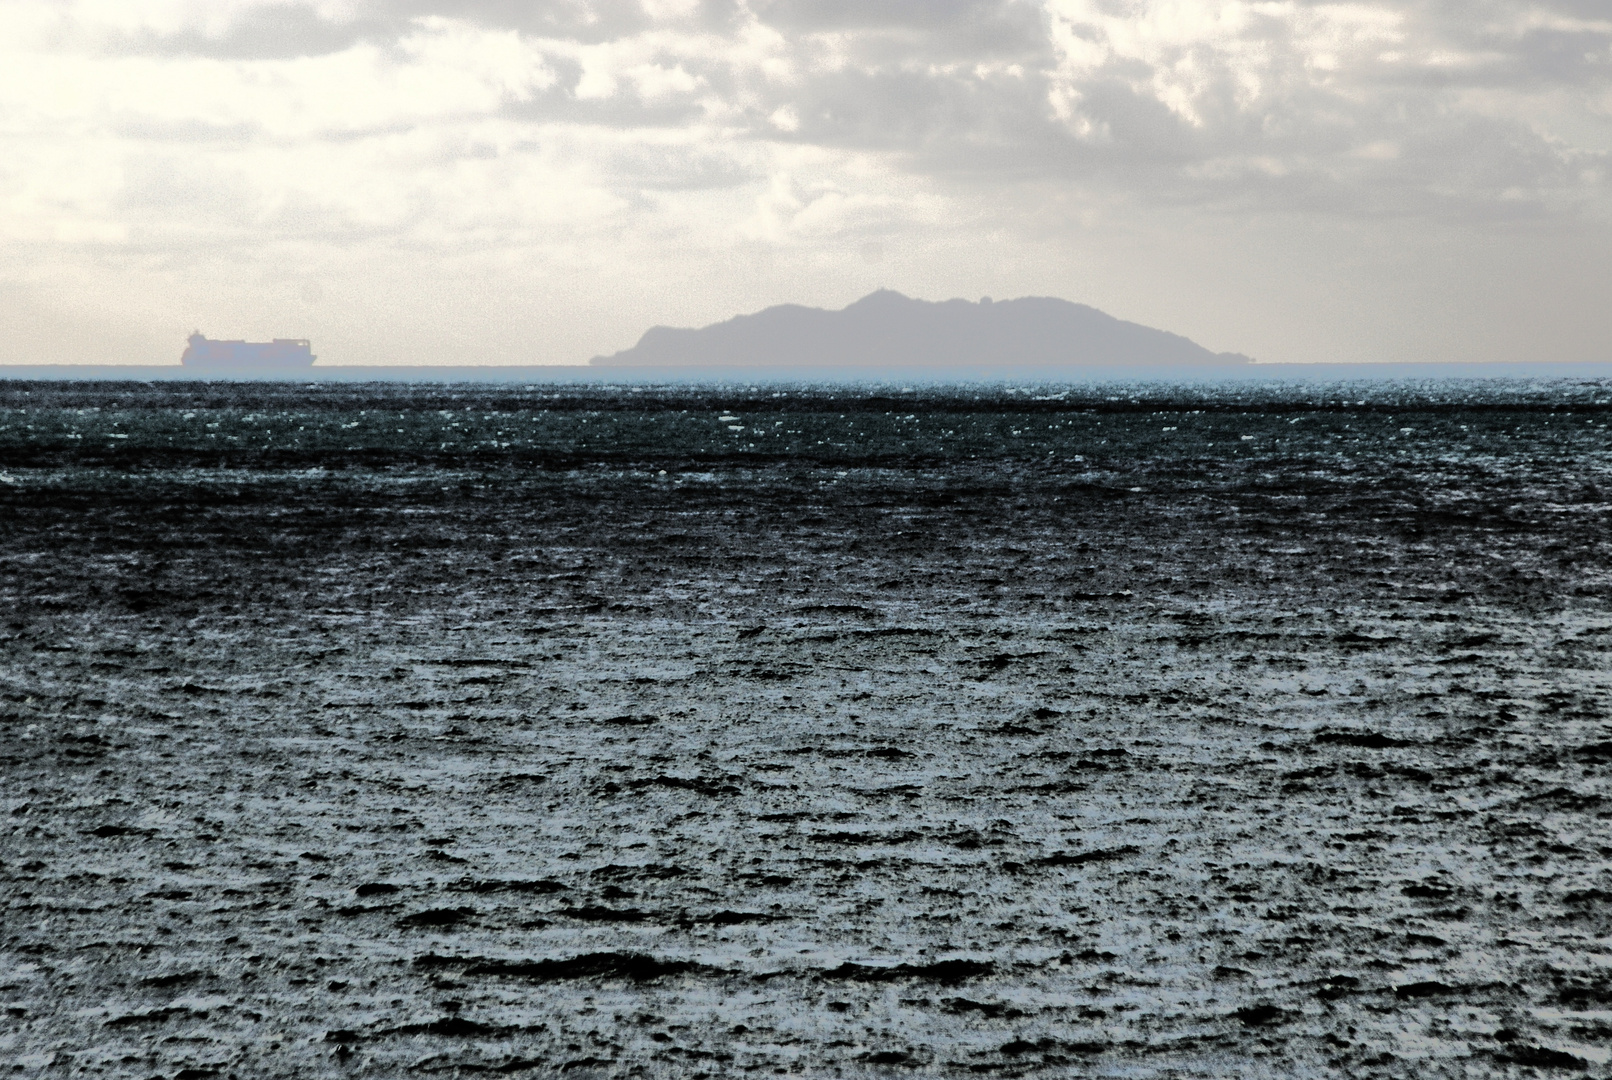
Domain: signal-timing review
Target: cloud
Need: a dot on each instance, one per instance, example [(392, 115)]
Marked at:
[(558, 132), (1354, 107)]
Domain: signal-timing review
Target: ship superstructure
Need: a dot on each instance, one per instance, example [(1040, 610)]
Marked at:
[(281, 354)]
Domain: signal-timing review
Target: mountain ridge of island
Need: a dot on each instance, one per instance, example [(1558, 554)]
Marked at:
[(887, 330)]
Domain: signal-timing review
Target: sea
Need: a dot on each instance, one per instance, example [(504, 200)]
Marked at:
[(1128, 730)]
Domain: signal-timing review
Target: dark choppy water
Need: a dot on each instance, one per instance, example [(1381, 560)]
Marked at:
[(446, 731)]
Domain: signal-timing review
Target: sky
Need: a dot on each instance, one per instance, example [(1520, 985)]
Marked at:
[(519, 181)]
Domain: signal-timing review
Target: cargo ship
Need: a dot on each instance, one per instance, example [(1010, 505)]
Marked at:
[(248, 357)]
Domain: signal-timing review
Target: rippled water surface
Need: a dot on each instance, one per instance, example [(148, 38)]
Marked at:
[(424, 730)]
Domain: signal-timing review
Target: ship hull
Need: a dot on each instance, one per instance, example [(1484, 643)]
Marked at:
[(287, 355)]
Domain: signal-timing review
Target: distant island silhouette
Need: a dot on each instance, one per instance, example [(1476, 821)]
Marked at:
[(886, 330), (882, 337)]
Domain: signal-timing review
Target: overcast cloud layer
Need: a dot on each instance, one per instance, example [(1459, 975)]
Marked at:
[(498, 181)]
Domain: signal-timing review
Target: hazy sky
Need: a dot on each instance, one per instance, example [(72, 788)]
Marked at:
[(419, 181)]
